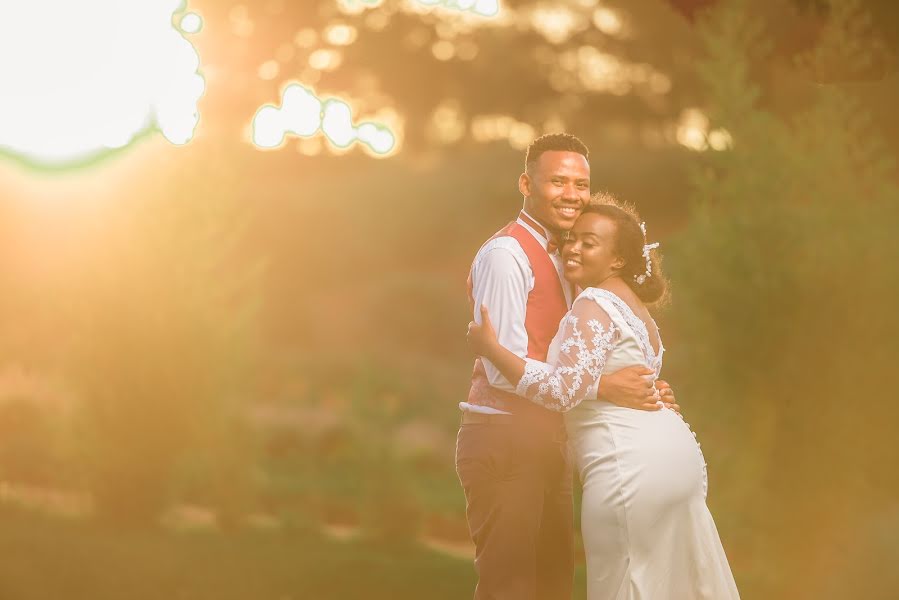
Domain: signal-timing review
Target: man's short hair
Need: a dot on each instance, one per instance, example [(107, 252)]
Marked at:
[(554, 142)]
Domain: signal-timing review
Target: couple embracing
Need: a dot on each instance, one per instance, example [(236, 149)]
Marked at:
[(567, 379)]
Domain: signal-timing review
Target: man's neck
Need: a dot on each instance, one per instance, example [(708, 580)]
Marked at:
[(551, 234)]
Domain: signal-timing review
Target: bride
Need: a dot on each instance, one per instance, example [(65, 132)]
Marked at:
[(648, 534)]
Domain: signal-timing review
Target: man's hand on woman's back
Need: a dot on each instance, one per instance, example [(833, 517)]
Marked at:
[(633, 387)]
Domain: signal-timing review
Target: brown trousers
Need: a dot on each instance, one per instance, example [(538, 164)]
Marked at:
[(518, 487)]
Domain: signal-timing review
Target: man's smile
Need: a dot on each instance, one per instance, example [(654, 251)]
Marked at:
[(569, 212)]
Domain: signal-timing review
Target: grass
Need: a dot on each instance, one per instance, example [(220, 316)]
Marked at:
[(50, 558)]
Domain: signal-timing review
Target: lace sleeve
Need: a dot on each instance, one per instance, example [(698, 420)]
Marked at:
[(588, 335)]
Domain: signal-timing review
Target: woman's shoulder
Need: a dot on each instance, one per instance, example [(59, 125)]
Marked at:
[(614, 305), (599, 295), (624, 315), (606, 299)]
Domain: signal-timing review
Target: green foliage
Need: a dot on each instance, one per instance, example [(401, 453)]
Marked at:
[(388, 505), (786, 294), (375, 462)]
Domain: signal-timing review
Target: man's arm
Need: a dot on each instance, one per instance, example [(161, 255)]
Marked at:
[(632, 387), (501, 281)]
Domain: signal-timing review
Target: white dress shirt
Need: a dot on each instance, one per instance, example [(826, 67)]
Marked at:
[(502, 279)]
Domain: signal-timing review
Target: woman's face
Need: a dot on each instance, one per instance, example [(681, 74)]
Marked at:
[(588, 255)]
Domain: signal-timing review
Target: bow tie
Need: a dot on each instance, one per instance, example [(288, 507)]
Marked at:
[(552, 245)]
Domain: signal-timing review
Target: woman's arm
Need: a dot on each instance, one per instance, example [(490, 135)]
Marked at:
[(588, 336), (482, 339)]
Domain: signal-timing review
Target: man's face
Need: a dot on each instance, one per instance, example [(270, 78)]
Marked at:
[(556, 188)]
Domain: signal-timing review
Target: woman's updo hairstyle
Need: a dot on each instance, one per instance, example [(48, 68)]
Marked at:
[(629, 242)]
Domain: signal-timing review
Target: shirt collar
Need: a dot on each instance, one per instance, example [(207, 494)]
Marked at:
[(534, 226), (539, 231)]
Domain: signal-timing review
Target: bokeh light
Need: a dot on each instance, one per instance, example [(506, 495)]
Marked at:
[(341, 34), (354, 7), (484, 8), (269, 70), (302, 113), (489, 128), (557, 23), (693, 132), (477, 8), (325, 59), (191, 23), (607, 21)]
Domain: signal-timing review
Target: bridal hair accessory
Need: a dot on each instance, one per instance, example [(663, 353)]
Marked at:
[(641, 279)]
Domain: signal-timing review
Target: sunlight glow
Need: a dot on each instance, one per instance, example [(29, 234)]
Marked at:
[(306, 38), (91, 76), (241, 24), (304, 114)]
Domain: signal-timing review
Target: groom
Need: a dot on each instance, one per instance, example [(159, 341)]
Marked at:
[(511, 454)]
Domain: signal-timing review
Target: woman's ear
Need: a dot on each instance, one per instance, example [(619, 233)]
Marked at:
[(618, 263)]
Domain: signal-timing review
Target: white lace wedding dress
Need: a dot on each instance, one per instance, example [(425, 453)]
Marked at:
[(648, 534)]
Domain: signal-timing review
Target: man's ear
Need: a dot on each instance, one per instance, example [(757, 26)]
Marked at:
[(524, 184)]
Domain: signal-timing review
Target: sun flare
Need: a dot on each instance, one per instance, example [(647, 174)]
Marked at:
[(82, 78)]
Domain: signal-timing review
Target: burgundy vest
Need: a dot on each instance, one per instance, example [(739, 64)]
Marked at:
[(546, 305)]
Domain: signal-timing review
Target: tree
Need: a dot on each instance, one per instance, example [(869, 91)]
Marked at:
[(785, 310)]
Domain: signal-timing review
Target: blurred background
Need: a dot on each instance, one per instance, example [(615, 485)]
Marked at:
[(234, 239)]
